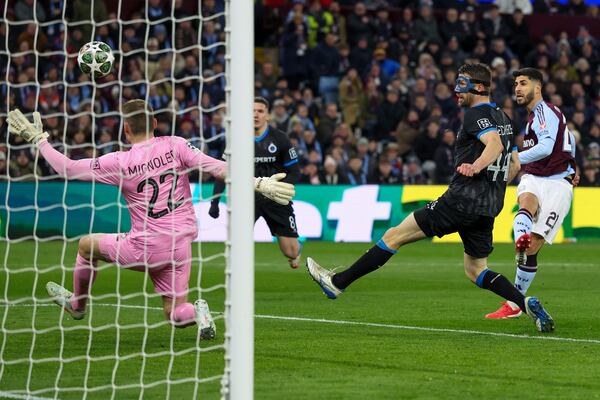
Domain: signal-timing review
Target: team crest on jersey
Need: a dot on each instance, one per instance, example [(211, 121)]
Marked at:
[(272, 148), (484, 123), (95, 164), (293, 154)]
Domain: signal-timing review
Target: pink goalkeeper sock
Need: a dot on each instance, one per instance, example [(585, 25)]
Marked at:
[(184, 315), (83, 277)]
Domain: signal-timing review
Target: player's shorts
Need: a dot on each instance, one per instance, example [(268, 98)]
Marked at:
[(554, 199), (280, 219), (438, 219), (169, 269)]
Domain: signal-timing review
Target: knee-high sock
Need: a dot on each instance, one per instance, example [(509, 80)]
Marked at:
[(498, 284), (526, 273), (369, 262), (83, 278), (522, 223), (183, 315)]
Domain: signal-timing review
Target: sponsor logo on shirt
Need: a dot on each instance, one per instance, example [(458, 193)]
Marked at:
[(484, 123), (265, 159), (95, 164)]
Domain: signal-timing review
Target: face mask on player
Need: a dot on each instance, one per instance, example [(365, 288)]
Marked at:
[(465, 84)]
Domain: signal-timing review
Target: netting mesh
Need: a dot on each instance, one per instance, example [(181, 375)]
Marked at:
[(171, 54)]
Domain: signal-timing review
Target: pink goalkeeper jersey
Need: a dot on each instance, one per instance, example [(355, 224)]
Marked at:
[(153, 178)]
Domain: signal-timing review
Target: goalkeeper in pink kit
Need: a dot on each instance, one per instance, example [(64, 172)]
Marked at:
[(152, 176)]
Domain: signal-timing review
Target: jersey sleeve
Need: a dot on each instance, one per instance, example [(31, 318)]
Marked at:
[(545, 125), (289, 160), (105, 169), (287, 152), (192, 157), (477, 123)]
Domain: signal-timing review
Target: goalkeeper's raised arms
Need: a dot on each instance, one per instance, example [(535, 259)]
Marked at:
[(272, 188), (20, 125)]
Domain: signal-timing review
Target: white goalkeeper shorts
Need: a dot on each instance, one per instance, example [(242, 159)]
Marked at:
[(554, 198)]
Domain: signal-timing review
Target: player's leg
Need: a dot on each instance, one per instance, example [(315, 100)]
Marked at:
[(553, 205), (528, 198), (172, 282), (476, 269), (333, 284), (291, 248), (84, 275), (281, 221)]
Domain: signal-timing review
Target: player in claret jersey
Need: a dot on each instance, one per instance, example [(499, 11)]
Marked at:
[(483, 150), (152, 177), (546, 190)]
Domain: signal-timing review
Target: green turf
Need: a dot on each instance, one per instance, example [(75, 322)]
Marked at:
[(422, 286)]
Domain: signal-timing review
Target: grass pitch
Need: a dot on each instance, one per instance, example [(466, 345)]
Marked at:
[(413, 329)]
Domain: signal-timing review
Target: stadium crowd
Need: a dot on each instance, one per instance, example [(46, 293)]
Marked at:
[(364, 97)]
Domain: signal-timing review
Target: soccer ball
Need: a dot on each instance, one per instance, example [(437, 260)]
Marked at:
[(95, 58)]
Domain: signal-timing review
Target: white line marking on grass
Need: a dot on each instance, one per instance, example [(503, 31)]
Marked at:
[(424, 329), (357, 323), (11, 395)]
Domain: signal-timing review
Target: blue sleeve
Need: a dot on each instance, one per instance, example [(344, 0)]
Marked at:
[(545, 125)]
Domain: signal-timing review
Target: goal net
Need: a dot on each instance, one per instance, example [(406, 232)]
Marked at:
[(178, 56)]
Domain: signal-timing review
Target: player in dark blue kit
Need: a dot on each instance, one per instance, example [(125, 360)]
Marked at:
[(484, 149), (275, 155)]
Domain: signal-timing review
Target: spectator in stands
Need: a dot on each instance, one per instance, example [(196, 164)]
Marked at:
[(426, 27), (382, 26), (355, 173), (214, 137), (294, 57), (22, 166), (512, 6), (339, 22), (493, 25), (407, 132), (444, 158), (361, 56), (426, 145), (330, 174), (359, 25), (3, 171), (320, 23), (267, 77), (351, 96), (327, 124), (310, 175), (389, 116), (24, 10), (326, 60), (279, 115), (368, 160), (413, 174), (301, 116), (451, 26)]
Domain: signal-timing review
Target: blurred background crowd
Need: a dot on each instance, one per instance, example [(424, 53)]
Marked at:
[(364, 90)]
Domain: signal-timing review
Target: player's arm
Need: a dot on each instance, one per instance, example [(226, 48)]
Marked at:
[(289, 157), (103, 169), (515, 165), (546, 132), (270, 187), (493, 148)]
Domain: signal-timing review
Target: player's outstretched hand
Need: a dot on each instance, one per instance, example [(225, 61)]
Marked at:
[(272, 188), (18, 124), (467, 169)]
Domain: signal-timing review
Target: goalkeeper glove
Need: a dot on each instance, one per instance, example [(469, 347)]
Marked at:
[(19, 125), (271, 188)]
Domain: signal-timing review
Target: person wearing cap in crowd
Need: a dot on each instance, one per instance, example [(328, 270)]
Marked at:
[(331, 174)]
